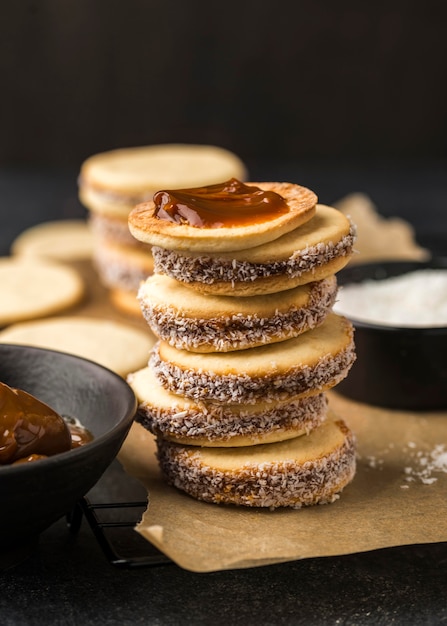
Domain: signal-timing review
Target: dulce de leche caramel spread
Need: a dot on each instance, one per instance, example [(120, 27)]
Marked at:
[(226, 204), (31, 430)]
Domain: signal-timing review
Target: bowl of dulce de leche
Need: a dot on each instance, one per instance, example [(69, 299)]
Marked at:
[(62, 422)]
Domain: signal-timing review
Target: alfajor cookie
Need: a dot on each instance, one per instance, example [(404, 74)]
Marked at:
[(217, 424), (113, 182), (125, 301), (60, 240), (117, 346), (190, 320), (313, 251), (307, 364), (303, 471), (36, 287), (224, 217), (113, 230), (122, 267)]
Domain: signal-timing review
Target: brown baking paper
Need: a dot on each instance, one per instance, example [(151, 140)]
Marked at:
[(387, 504)]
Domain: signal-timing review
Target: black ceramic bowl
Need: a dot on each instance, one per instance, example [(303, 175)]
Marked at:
[(34, 495), (396, 367)]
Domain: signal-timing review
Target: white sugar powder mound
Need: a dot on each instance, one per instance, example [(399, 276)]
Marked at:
[(416, 299)]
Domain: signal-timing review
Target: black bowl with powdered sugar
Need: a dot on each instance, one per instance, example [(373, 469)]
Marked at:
[(399, 310)]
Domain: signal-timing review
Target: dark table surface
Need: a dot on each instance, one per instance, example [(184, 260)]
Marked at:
[(68, 579)]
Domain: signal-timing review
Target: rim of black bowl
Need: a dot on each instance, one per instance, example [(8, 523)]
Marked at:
[(437, 262), (125, 421)]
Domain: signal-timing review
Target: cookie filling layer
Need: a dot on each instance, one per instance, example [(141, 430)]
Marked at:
[(268, 484), (239, 331), (302, 379), (216, 422), (207, 269)]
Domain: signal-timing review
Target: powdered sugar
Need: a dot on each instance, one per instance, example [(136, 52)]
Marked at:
[(421, 465), (426, 464), (415, 299)]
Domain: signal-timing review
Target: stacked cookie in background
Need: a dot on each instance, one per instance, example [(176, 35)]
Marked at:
[(112, 183), (241, 302)]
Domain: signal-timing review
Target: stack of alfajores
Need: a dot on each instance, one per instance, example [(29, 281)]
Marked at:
[(241, 302), (112, 183)]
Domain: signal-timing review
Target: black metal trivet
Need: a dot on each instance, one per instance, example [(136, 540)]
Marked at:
[(122, 546)]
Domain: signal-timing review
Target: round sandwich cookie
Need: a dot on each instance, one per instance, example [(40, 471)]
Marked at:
[(60, 240), (303, 471), (125, 301), (120, 347), (113, 230), (122, 267), (36, 287), (313, 251), (210, 424), (226, 216), (316, 360), (190, 320), (112, 183)]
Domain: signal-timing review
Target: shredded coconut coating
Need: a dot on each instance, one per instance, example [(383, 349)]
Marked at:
[(208, 270), (115, 230), (242, 388), (238, 332), (117, 274), (271, 485), (216, 422)]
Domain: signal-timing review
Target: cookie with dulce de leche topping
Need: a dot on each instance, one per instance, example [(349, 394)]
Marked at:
[(223, 217), (190, 320)]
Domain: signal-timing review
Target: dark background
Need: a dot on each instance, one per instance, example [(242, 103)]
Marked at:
[(269, 79)]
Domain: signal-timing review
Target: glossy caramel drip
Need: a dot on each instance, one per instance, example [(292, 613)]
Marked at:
[(231, 203), (29, 429), (79, 434)]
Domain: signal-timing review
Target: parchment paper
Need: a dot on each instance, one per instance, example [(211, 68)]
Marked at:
[(386, 505)]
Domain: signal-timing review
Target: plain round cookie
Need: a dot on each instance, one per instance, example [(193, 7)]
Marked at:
[(35, 287), (114, 182), (117, 346), (189, 320), (64, 240), (303, 471), (317, 360), (146, 227), (313, 251), (184, 421)]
